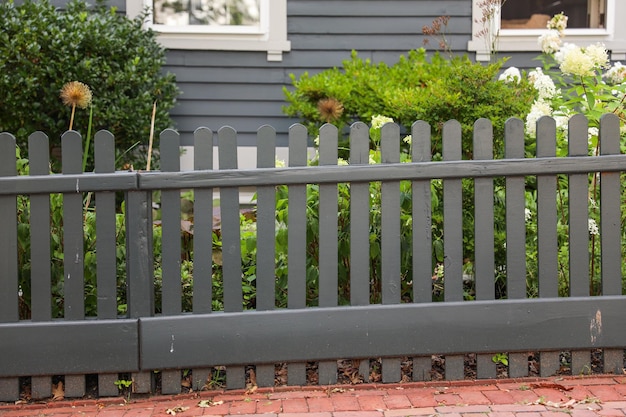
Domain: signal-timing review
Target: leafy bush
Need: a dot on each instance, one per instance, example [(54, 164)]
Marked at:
[(43, 48), (417, 87)]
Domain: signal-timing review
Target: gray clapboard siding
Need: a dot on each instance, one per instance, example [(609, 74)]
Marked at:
[(322, 35)]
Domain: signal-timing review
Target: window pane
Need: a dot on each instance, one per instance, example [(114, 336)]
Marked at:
[(534, 14), (207, 12)]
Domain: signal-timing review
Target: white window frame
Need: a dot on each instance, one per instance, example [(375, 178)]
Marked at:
[(525, 40), (270, 35)]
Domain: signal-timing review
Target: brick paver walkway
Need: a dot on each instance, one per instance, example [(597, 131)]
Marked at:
[(585, 396)]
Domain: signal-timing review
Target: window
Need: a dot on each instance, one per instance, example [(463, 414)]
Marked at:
[(239, 25), (206, 13), (519, 24)]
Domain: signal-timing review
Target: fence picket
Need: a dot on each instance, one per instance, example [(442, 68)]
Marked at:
[(453, 236), (515, 233), (202, 241), (484, 275), (73, 252), (266, 236), (546, 230), (104, 152), (231, 245), (360, 228), (328, 241), (422, 238), (610, 229), (578, 210), (9, 387), (171, 293), (391, 285), (41, 298), (296, 246)]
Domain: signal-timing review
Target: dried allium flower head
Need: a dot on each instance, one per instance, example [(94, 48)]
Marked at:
[(76, 94), (330, 109)]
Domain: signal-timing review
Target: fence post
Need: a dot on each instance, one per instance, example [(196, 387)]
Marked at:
[(139, 268)]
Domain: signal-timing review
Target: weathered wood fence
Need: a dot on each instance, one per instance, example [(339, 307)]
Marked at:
[(43, 347)]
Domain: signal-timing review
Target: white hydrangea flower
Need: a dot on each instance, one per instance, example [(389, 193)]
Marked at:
[(577, 62), (558, 22), (341, 161), (528, 214), (378, 121), (510, 75), (550, 42), (543, 84), (539, 108), (408, 139), (616, 74), (279, 163), (593, 131), (566, 48), (598, 54), (593, 227)]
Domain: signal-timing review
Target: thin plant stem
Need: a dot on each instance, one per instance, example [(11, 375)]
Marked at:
[(72, 116), (154, 107), (87, 139)]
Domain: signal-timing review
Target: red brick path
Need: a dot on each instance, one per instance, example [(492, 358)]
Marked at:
[(591, 396)]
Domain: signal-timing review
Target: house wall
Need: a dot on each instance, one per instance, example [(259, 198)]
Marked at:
[(245, 90)]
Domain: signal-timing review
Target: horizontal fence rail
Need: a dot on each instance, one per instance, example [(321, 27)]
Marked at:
[(388, 267)]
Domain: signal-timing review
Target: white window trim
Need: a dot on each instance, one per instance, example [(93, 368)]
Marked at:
[(525, 40), (269, 36)]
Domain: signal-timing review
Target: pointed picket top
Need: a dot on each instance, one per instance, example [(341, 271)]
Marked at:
[(420, 142), (328, 144), (104, 149), (609, 134), (483, 139), (514, 138), (298, 137), (578, 135), (7, 155), (203, 148), (266, 147), (227, 146), (452, 145), (170, 150), (546, 137), (71, 152), (390, 143)]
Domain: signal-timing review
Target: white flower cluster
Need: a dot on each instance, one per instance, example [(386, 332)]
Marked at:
[(593, 227), (582, 62), (546, 90), (539, 109), (550, 42), (616, 74), (558, 22), (378, 121), (511, 75)]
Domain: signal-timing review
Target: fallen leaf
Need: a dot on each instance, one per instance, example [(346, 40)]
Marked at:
[(209, 403), (173, 411), (58, 393)]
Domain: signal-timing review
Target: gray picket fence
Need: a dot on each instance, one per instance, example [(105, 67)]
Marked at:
[(109, 346)]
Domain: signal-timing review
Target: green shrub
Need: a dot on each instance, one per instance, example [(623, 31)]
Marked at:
[(43, 48), (435, 89)]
